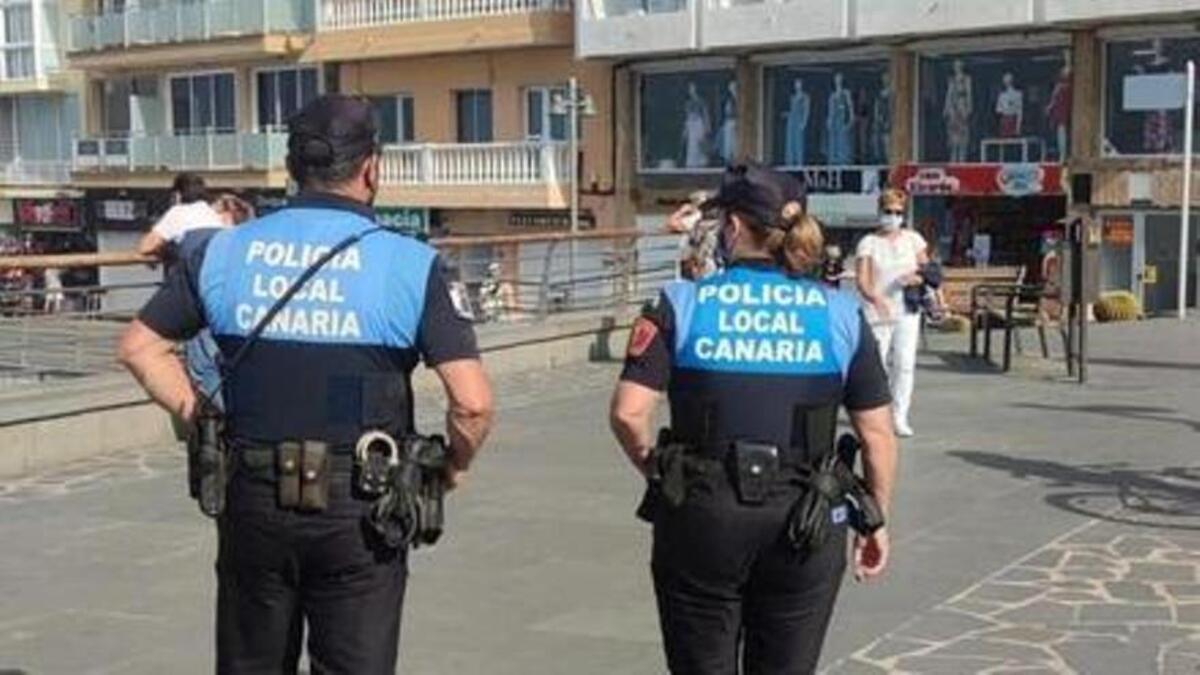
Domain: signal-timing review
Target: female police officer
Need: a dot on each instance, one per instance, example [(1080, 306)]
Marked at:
[(755, 362)]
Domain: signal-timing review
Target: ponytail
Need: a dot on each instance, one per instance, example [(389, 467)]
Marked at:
[(798, 246)]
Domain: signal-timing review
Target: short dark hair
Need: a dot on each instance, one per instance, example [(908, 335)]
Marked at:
[(330, 139), (190, 187)]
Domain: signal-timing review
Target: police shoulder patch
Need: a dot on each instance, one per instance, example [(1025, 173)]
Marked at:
[(460, 299), (641, 337)]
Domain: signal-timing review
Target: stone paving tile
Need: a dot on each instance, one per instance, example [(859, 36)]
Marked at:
[(1134, 591), (1163, 572), (1124, 614)]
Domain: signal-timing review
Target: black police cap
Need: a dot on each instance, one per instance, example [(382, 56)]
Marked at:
[(757, 192), (332, 128)]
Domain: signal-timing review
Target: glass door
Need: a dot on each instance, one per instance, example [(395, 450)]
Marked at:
[(1160, 274)]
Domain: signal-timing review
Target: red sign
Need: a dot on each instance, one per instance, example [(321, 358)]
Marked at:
[(1000, 180), (47, 214)]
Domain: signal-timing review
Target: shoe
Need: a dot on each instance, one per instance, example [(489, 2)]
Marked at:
[(903, 430)]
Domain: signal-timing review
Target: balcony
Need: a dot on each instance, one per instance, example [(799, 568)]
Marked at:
[(26, 68), (887, 18), (35, 172), (619, 28), (370, 29), (99, 159), (239, 29), (516, 175)]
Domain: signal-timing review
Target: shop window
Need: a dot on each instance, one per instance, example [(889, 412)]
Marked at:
[(474, 116), (282, 93), (203, 104), (1010, 106), (1146, 96), (541, 122), (394, 118), (688, 120), (828, 114)]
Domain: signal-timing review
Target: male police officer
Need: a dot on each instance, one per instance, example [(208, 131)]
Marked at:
[(747, 506), (333, 363)]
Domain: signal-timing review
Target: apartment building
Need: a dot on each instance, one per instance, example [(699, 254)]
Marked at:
[(470, 95), (39, 115), (981, 109)]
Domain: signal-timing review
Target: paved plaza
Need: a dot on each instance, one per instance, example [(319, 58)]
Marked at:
[(1041, 527)]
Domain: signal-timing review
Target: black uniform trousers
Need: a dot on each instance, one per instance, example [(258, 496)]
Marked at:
[(278, 569), (729, 585)]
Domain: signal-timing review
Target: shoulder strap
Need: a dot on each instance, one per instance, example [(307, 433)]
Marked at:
[(255, 333)]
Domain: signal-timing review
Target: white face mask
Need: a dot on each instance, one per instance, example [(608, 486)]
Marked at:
[(891, 221)]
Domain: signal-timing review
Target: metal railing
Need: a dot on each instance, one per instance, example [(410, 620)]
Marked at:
[(35, 172), (348, 14), (522, 163), (263, 150), (173, 21), (509, 280)]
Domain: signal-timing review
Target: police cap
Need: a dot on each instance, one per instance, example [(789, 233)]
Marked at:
[(330, 130), (757, 192)]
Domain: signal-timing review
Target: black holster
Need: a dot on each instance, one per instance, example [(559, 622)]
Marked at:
[(411, 511), (665, 481), (828, 484), (208, 461)]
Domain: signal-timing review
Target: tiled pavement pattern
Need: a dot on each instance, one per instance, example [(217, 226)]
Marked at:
[(1039, 527), (1104, 598)]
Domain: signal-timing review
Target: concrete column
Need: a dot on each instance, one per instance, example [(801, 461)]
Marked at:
[(749, 79), (1087, 107), (903, 70), (625, 147)]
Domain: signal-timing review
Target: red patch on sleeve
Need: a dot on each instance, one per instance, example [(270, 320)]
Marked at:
[(640, 338)]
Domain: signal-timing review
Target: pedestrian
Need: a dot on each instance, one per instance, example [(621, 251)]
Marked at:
[(201, 354), (698, 237), (888, 260), (755, 362), (299, 550), (190, 211), (52, 286)]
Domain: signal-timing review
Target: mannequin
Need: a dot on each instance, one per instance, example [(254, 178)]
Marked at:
[(881, 120), (696, 128), (1010, 108), (1058, 111), (796, 125), (960, 105), (727, 141), (839, 124), (1157, 131)]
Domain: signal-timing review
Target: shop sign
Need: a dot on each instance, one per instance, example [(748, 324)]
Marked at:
[(1000, 180), (120, 210), (1118, 232), (550, 220), (821, 180), (47, 214), (410, 222)]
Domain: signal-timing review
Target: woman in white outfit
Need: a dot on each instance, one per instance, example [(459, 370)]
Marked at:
[(888, 260)]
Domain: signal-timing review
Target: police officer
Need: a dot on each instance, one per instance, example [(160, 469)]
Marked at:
[(755, 362), (334, 362)]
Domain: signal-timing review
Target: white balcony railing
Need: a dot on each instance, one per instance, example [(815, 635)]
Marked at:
[(188, 21), (257, 151), (35, 172), (343, 14), (522, 163)]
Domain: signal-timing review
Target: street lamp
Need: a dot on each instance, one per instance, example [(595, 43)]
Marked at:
[(574, 104)]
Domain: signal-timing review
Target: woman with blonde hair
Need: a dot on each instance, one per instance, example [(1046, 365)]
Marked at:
[(750, 540), (888, 260)]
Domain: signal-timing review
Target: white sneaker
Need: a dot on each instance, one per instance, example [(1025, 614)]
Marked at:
[(903, 430)]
